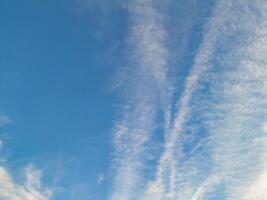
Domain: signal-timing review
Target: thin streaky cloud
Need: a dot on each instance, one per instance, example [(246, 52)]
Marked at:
[(168, 163), (231, 158), (4, 120), (207, 186), (30, 189), (238, 138), (237, 112), (145, 91)]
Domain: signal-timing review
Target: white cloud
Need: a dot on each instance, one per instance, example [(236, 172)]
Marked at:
[(4, 120), (30, 189), (146, 90), (169, 162), (206, 187), (100, 179), (256, 187), (264, 127), (1, 144), (242, 98), (231, 60)]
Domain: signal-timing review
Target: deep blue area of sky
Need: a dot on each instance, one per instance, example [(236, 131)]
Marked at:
[(56, 59)]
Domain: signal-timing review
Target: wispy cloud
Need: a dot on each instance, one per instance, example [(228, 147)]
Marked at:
[(208, 185), (30, 189), (145, 91), (168, 168), (238, 110), (4, 120), (226, 91), (101, 178)]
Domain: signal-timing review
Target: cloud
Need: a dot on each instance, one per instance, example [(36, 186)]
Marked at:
[(205, 187), (101, 178), (169, 163), (145, 91), (4, 120), (238, 111), (217, 138), (258, 188), (30, 189)]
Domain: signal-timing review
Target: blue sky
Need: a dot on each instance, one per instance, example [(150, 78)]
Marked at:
[(133, 100)]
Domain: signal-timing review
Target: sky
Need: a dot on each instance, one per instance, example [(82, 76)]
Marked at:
[(133, 100)]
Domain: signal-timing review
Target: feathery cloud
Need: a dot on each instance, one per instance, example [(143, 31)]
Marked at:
[(4, 120), (31, 189), (145, 90), (225, 91)]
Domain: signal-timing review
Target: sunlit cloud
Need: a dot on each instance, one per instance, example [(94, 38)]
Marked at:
[(144, 94), (225, 91), (30, 189)]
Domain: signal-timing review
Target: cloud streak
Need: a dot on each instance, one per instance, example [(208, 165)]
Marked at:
[(4, 120), (31, 189), (216, 143), (145, 91), (168, 164)]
